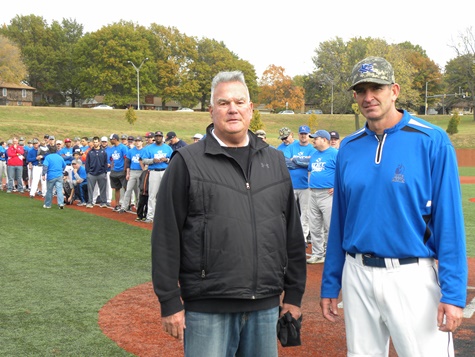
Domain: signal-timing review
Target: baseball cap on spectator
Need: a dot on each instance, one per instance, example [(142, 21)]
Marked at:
[(321, 134), (284, 132), (124, 136), (158, 133), (59, 142), (114, 136), (104, 138), (30, 142), (77, 138), (51, 137), (149, 134), (138, 138), (334, 135), (67, 140), (372, 70), (77, 161), (130, 138), (46, 136), (9, 142), (260, 133), (21, 141), (170, 135), (304, 129), (198, 136), (35, 141), (76, 150)]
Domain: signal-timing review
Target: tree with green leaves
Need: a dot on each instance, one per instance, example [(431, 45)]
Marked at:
[(465, 50), (256, 121), (104, 57)]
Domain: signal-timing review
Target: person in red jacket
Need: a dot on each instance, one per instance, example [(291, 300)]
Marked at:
[(15, 155)]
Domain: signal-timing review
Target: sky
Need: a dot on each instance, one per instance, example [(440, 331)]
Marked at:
[(281, 33)]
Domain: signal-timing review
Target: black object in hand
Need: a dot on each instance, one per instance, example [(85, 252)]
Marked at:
[(288, 330)]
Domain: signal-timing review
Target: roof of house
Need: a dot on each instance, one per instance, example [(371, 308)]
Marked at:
[(15, 85)]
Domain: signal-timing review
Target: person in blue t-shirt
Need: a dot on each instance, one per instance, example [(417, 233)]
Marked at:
[(118, 182), (321, 174), (80, 182), (66, 152), (133, 168), (297, 157), (156, 156), (3, 163)]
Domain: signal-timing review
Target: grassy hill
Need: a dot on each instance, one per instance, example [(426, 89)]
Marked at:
[(70, 122)]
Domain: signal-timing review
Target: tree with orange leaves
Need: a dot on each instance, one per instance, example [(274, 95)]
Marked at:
[(278, 91)]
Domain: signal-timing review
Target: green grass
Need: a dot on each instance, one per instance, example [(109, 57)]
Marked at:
[(58, 268), (71, 122)]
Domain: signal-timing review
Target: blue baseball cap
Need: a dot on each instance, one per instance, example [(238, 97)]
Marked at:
[(321, 134), (304, 129)]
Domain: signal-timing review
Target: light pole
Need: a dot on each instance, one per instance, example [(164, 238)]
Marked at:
[(137, 69), (327, 77), (425, 112)]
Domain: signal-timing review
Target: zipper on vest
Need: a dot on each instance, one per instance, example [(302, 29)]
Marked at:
[(204, 251), (248, 186)]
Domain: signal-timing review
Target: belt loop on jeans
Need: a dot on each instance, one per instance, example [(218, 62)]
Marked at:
[(370, 260)]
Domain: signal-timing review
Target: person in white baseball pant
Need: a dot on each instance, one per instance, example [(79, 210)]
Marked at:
[(396, 211)]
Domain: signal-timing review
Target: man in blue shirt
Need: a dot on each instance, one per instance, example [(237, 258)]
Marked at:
[(118, 182), (396, 210), (133, 168), (80, 182), (53, 168), (287, 138), (321, 172), (297, 158), (3, 163), (156, 156), (66, 152)]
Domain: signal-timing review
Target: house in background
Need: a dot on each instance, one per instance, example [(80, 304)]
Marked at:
[(16, 94)]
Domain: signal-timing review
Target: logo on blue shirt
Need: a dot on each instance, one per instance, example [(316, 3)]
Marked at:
[(399, 174)]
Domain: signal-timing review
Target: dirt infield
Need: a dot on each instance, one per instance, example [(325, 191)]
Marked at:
[(132, 318)]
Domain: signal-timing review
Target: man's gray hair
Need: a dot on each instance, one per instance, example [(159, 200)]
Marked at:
[(225, 77)]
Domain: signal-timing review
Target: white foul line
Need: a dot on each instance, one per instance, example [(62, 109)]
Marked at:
[(469, 309)]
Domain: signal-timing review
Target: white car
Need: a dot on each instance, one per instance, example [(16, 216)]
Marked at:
[(287, 112), (102, 106), (185, 110)]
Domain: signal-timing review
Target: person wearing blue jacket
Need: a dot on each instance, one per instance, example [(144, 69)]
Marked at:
[(396, 245), (96, 169)]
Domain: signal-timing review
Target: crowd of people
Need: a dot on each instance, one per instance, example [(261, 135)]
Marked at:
[(89, 171)]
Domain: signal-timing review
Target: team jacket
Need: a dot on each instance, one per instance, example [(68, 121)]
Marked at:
[(399, 197), (96, 162), (231, 239)]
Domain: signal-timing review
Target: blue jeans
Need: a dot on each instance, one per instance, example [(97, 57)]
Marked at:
[(58, 183), (232, 334), (15, 173)]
